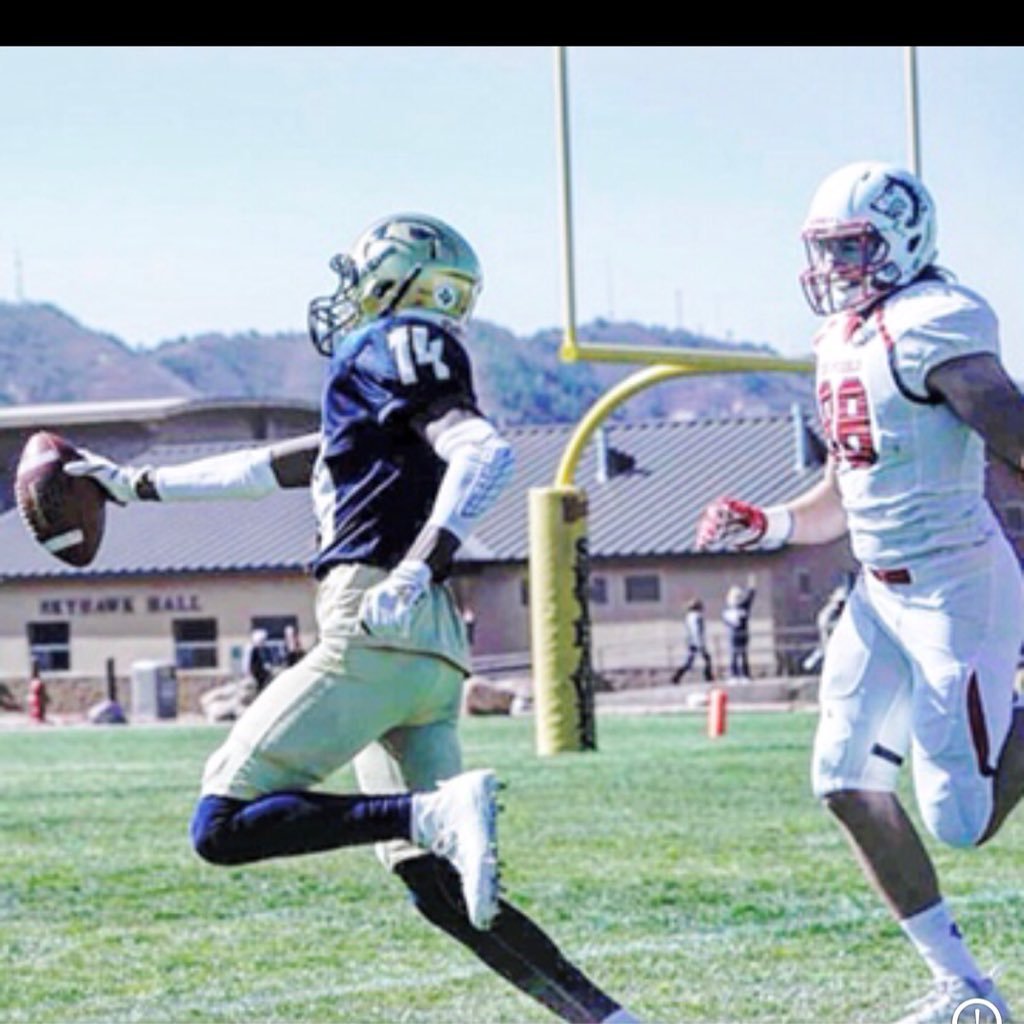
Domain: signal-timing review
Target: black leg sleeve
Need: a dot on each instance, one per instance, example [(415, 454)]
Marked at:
[(227, 831)]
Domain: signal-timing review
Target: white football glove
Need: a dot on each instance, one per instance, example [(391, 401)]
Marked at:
[(387, 607), (118, 481)]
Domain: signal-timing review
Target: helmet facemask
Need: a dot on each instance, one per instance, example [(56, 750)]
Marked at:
[(337, 313), (847, 267)]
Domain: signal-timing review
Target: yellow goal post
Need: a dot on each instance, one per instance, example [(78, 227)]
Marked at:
[(559, 557)]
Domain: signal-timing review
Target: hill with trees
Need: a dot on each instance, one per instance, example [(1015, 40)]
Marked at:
[(47, 356)]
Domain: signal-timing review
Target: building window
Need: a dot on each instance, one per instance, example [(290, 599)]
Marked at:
[(49, 646), (274, 626), (524, 591), (599, 589), (646, 588), (195, 643)]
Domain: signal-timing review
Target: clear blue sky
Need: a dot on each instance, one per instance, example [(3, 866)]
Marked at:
[(159, 192)]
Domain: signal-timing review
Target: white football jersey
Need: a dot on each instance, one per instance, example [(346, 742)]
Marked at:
[(910, 473)]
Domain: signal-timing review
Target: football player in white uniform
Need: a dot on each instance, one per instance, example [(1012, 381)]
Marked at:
[(401, 471), (911, 391)]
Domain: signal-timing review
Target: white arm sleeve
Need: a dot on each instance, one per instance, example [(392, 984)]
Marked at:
[(239, 474), (480, 464)]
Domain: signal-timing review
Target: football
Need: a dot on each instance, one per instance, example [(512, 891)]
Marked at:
[(65, 514)]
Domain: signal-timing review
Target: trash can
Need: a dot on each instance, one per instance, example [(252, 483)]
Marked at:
[(154, 690)]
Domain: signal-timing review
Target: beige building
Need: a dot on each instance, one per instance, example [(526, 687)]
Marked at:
[(138, 603), (199, 623)]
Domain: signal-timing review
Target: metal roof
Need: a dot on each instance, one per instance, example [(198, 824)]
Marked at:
[(678, 467), (30, 416), (133, 410), (650, 510)]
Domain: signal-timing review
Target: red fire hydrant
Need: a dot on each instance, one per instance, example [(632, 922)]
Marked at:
[(38, 699)]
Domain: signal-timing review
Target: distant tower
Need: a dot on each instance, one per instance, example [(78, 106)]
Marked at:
[(19, 280)]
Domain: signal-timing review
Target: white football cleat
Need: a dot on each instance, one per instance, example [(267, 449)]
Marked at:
[(459, 821), (941, 1002)]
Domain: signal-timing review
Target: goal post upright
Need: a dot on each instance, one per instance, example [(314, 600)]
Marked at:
[(559, 556), (568, 349), (572, 349)]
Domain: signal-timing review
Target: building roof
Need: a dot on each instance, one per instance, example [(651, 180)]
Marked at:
[(30, 416), (648, 509), (653, 508)]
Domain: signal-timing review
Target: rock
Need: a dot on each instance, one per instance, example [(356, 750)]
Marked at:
[(480, 696)]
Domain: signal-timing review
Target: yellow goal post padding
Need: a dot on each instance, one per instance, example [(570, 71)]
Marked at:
[(563, 679), (559, 567)]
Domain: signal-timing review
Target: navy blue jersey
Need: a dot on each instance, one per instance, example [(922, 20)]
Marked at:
[(376, 478)]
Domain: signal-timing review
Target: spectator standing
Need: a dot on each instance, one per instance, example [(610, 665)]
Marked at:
[(259, 660), (469, 621), (696, 642), (826, 621), (737, 619), (294, 652)]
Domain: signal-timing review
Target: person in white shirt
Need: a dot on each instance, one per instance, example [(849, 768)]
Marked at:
[(911, 391)]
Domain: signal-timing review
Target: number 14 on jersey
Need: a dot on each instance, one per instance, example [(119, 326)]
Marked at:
[(416, 348)]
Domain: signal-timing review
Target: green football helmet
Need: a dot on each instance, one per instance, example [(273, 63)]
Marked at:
[(407, 261)]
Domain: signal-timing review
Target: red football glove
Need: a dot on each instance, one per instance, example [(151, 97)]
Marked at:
[(730, 523)]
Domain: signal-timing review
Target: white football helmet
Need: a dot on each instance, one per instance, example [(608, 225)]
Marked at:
[(406, 261), (870, 229)]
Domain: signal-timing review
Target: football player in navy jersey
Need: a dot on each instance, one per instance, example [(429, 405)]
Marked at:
[(403, 467)]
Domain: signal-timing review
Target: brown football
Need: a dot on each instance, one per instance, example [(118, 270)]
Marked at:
[(66, 514)]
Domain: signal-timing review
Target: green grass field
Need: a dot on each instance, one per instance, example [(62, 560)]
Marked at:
[(695, 879)]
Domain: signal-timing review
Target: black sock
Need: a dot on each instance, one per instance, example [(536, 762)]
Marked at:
[(227, 831)]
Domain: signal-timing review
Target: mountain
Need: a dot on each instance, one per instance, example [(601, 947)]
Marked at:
[(47, 356)]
